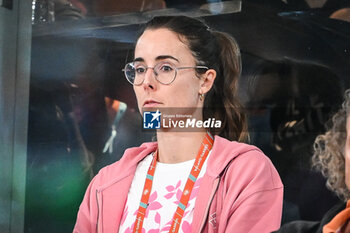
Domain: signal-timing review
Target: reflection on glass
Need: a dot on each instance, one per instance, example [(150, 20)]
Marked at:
[(83, 113)]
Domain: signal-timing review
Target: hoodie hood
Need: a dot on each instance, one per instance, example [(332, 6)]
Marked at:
[(216, 165)]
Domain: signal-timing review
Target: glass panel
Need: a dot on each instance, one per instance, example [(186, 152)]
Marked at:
[(83, 113)]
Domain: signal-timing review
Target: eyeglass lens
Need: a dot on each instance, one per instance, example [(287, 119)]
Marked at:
[(164, 72)]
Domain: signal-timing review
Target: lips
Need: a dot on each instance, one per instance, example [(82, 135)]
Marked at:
[(150, 103)]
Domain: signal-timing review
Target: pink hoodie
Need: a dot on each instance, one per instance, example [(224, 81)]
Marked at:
[(241, 192)]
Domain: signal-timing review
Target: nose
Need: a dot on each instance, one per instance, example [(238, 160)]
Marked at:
[(150, 80)]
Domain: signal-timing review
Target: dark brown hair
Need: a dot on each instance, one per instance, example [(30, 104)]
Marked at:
[(218, 51)]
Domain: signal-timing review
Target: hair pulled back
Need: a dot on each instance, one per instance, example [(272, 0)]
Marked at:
[(218, 51)]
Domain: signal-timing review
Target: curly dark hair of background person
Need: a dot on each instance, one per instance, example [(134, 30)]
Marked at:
[(329, 155)]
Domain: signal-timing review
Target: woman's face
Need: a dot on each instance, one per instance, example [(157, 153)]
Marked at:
[(347, 153), (163, 45)]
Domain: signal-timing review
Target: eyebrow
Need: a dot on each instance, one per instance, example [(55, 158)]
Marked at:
[(160, 57)]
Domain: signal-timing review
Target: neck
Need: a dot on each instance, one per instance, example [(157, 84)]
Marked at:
[(176, 147)]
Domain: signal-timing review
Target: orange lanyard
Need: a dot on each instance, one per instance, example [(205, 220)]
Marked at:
[(203, 152)]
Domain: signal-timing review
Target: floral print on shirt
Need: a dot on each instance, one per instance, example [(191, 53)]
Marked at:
[(171, 196)]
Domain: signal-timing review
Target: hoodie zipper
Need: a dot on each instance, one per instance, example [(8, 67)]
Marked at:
[(98, 226), (217, 180)]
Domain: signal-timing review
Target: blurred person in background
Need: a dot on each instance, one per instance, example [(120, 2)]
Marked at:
[(332, 159)]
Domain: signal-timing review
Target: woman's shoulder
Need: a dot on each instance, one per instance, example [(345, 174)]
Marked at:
[(246, 163), (225, 152), (302, 226), (254, 167)]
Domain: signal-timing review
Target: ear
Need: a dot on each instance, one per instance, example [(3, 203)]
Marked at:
[(207, 81)]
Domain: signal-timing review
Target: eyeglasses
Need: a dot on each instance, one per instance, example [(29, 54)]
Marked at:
[(164, 72)]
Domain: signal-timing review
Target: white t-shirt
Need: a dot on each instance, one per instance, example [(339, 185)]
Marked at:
[(168, 183)]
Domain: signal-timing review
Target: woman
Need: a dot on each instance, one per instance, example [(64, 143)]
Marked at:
[(332, 158), (186, 181)]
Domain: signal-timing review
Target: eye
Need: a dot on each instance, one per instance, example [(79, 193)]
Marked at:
[(166, 68), (140, 70)]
